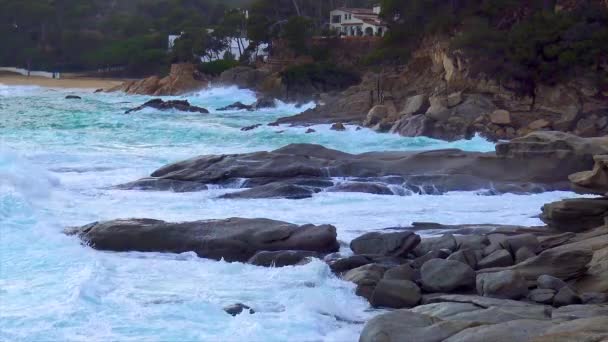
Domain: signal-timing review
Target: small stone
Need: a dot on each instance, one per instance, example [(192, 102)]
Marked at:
[(542, 296), (310, 130), (237, 309), (566, 296), (500, 258), (249, 128), (549, 282), (500, 117), (338, 126), (396, 294)]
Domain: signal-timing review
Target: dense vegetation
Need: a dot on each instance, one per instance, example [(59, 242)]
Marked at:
[(91, 34), (524, 41)]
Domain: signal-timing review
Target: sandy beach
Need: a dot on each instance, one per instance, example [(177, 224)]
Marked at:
[(66, 82)]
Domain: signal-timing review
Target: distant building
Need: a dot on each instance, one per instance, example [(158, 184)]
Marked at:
[(358, 22)]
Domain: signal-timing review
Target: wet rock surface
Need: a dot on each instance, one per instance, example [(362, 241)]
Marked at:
[(234, 239), (539, 162), (179, 105)]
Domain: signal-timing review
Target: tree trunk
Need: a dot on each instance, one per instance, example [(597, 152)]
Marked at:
[(295, 5)]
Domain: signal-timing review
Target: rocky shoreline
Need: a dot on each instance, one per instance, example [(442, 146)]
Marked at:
[(472, 283)]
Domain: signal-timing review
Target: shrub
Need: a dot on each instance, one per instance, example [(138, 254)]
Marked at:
[(215, 68)]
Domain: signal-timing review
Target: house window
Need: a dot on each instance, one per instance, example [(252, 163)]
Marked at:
[(345, 16), (336, 19)]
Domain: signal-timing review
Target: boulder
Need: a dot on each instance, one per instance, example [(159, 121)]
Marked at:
[(414, 105), (505, 284), (376, 114), (594, 181), (281, 258), (345, 264), (264, 102), (179, 105), (396, 294), (592, 329), (523, 254), (566, 296), (160, 184), (236, 106), (237, 309), (407, 326), (500, 258), (233, 239), (542, 296), (440, 275), (518, 330), (250, 128), (550, 283), (467, 256), (454, 99), (243, 77), (446, 242), (575, 215), (183, 78), (436, 254), (73, 97), (594, 298), (572, 312), (365, 187), (338, 126), (564, 262), (401, 272), (538, 124), (366, 278), (500, 117), (310, 130), (389, 244)]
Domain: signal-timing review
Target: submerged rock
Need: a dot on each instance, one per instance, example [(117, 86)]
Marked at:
[(73, 97), (272, 190), (281, 258), (233, 239), (237, 309), (181, 105)]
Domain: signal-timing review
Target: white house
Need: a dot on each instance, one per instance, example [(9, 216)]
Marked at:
[(358, 22)]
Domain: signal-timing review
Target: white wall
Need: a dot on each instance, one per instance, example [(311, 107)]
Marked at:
[(25, 72)]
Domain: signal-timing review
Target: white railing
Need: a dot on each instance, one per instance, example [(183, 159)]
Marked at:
[(26, 72)]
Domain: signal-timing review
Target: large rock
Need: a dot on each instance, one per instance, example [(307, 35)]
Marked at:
[(281, 258), (417, 104), (407, 326), (499, 258), (594, 181), (575, 215), (183, 78), (365, 187), (233, 239), (440, 275), (448, 170), (243, 77), (389, 244), (366, 278), (179, 105), (520, 330), (505, 284), (564, 262), (396, 294), (272, 190)]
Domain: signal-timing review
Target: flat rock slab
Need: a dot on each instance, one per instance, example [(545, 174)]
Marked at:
[(233, 239), (428, 171)]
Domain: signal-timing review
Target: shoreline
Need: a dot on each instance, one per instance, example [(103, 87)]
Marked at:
[(62, 83)]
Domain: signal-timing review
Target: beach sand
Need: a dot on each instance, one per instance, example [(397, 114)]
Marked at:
[(66, 82)]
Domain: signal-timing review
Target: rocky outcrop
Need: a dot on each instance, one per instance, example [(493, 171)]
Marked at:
[(594, 181), (535, 163), (234, 239), (183, 78), (261, 103), (179, 105), (438, 95)]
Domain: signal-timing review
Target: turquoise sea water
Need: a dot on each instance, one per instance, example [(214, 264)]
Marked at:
[(58, 159)]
